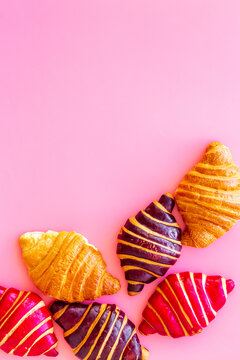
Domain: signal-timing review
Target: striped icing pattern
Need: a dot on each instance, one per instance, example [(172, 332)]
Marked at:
[(208, 197), (149, 244), (26, 327), (184, 304), (98, 331), (65, 266)]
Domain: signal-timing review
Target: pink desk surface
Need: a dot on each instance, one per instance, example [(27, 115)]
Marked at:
[(104, 105)]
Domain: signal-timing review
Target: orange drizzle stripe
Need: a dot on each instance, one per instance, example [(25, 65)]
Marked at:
[(129, 267), (159, 317), (30, 333), (187, 298), (109, 334), (59, 313), (124, 256), (175, 312), (184, 313), (76, 326), (14, 303), (204, 277), (134, 221), (98, 336), (47, 332), (159, 221), (150, 241), (160, 206), (77, 348), (25, 316), (198, 297), (51, 348), (16, 307), (131, 336), (117, 339), (135, 282), (148, 322), (146, 250)]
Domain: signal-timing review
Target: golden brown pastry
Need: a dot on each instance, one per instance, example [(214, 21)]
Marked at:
[(65, 266), (208, 197)]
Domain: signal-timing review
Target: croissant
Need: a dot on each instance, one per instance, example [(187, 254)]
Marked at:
[(63, 265), (208, 197), (149, 244), (185, 303), (26, 327), (98, 331)]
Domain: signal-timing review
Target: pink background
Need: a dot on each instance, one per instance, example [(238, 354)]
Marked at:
[(104, 105)]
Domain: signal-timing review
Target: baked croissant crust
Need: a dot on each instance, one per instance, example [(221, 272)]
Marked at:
[(98, 331), (149, 244), (65, 266), (208, 197), (184, 304), (26, 327)]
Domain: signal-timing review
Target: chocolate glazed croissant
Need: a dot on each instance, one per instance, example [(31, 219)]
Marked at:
[(208, 197), (26, 327), (65, 266), (149, 244), (98, 331), (184, 304)]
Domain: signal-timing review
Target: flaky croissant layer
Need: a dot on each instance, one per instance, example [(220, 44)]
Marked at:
[(208, 197), (65, 266)]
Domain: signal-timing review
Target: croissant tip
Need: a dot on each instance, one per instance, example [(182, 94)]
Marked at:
[(52, 353), (2, 289), (145, 353), (28, 238), (132, 293), (186, 239), (111, 285), (169, 195), (215, 143), (230, 285)]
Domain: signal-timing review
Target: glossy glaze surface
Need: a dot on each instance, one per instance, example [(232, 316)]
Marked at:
[(26, 327), (98, 331), (184, 304), (149, 244)]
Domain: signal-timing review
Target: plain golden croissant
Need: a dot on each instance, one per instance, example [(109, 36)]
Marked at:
[(208, 197), (65, 266)]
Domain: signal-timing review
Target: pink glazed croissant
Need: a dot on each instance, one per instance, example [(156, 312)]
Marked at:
[(26, 327), (184, 304)]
